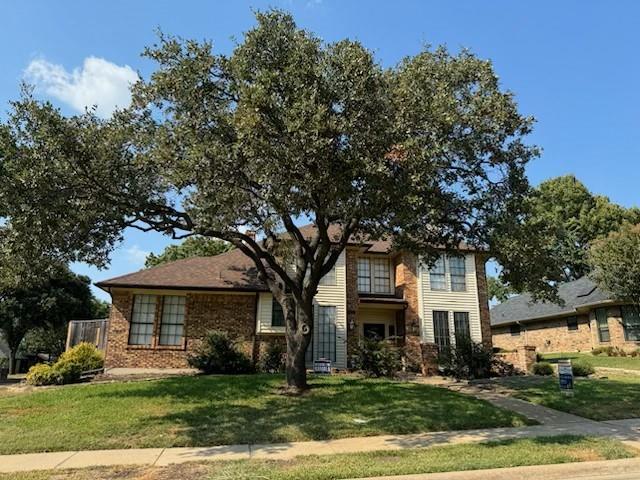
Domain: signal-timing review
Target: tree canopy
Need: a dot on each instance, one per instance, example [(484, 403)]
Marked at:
[(45, 305), (191, 247), (430, 153), (615, 263), (571, 218)]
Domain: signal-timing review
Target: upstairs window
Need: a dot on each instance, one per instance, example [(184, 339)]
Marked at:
[(458, 272), (277, 315), (438, 275), (330, 278), (374, 275), (142, 319), (631, 323)]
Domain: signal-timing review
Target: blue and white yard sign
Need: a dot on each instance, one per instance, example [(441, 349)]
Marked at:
[(565, 376), (322, 366)]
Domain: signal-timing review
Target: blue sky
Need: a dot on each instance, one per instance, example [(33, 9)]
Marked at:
[(574, 65)]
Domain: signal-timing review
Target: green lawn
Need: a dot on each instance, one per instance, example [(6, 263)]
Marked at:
[(539, 451), (628, 363), (611, 398), (215, 410)]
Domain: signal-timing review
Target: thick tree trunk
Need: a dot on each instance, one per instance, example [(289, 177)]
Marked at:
[(299, 329), (12, 362)]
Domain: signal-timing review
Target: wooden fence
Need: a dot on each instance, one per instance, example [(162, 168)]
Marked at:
[(90, 331)]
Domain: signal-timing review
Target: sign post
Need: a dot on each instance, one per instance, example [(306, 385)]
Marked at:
[(565, 377)]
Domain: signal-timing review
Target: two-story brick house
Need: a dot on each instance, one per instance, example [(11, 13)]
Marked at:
[(160, 314)]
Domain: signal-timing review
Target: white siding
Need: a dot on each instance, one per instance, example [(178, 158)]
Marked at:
[(328, 295), (446, 300)]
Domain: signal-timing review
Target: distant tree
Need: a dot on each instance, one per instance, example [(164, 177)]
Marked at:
[(191, 247), (498, 290), (44, 306), (99, 308), (430, 153), (615, 263)]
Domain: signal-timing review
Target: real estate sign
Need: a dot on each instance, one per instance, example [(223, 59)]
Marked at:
[(565, 376)]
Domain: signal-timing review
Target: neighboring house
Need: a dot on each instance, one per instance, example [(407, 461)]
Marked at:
[(589, 318), (160, 314)]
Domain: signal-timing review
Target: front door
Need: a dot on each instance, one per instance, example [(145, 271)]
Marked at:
[(374, 331)]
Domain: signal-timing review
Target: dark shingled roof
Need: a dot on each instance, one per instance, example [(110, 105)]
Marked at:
[(575, 294)]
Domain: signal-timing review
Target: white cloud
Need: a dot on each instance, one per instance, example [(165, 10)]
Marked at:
[(98, 82), (136, 255)]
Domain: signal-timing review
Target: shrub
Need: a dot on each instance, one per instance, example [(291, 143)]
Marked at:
[(582, 368), (468, 360), (609, 351), (377, 358), (273, 360), (85, 355), (542, 368), (69, 367), (219, 353)]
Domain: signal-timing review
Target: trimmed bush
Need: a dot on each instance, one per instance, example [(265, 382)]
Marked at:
[(542, 368), (273, 359), (83, 357), (467, 360), (219, 353), (377, 358), (582, 368), (86, 355)]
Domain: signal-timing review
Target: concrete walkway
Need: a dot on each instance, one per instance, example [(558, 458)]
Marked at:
[(627, 431), (627, 469)]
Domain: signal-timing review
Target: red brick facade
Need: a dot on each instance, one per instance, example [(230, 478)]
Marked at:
[(233, 313), (553, 335), (483, 300)]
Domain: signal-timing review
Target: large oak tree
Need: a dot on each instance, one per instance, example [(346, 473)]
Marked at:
[(286, 127)]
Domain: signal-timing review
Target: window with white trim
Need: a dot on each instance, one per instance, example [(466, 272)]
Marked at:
[(441, 333), (630, 322), (172, 320), (438, 275), (461, 327), (277, 315), (142, 319), (364, 275), (458, 272), (325, 338)]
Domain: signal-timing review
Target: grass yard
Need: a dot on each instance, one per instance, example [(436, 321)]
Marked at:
[(539, 451), (627, 363), (216, 410), (612, 398)]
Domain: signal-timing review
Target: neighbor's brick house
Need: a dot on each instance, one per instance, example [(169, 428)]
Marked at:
[(589, 318), (160, 314)]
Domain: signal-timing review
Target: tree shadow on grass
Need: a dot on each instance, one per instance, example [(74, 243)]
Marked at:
[(203, 411)]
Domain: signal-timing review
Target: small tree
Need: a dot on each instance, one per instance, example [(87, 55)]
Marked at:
[(429, 152), (191, 247), (615, 261)]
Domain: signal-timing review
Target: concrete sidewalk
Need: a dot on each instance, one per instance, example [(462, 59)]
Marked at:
[(627, 469), (627, 431)]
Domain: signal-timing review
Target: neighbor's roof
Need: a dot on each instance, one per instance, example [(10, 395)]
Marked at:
[(576, 294)]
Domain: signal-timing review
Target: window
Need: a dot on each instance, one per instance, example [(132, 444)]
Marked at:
[(277, 315), (515, 330), (142, 318), (458, 273), (364, 275), (602, 323), (329, 278), (441, 333), (374, 275), (461, 327), (172, 321), (631, 323), (437, 275), (572, 323), (326, 333)]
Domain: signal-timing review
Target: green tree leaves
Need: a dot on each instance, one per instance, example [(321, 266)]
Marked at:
[(191, 247)]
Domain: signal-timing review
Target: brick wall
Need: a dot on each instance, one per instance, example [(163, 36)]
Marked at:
[(203, 312), (483, 299), (406, 277), (351, 267)]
